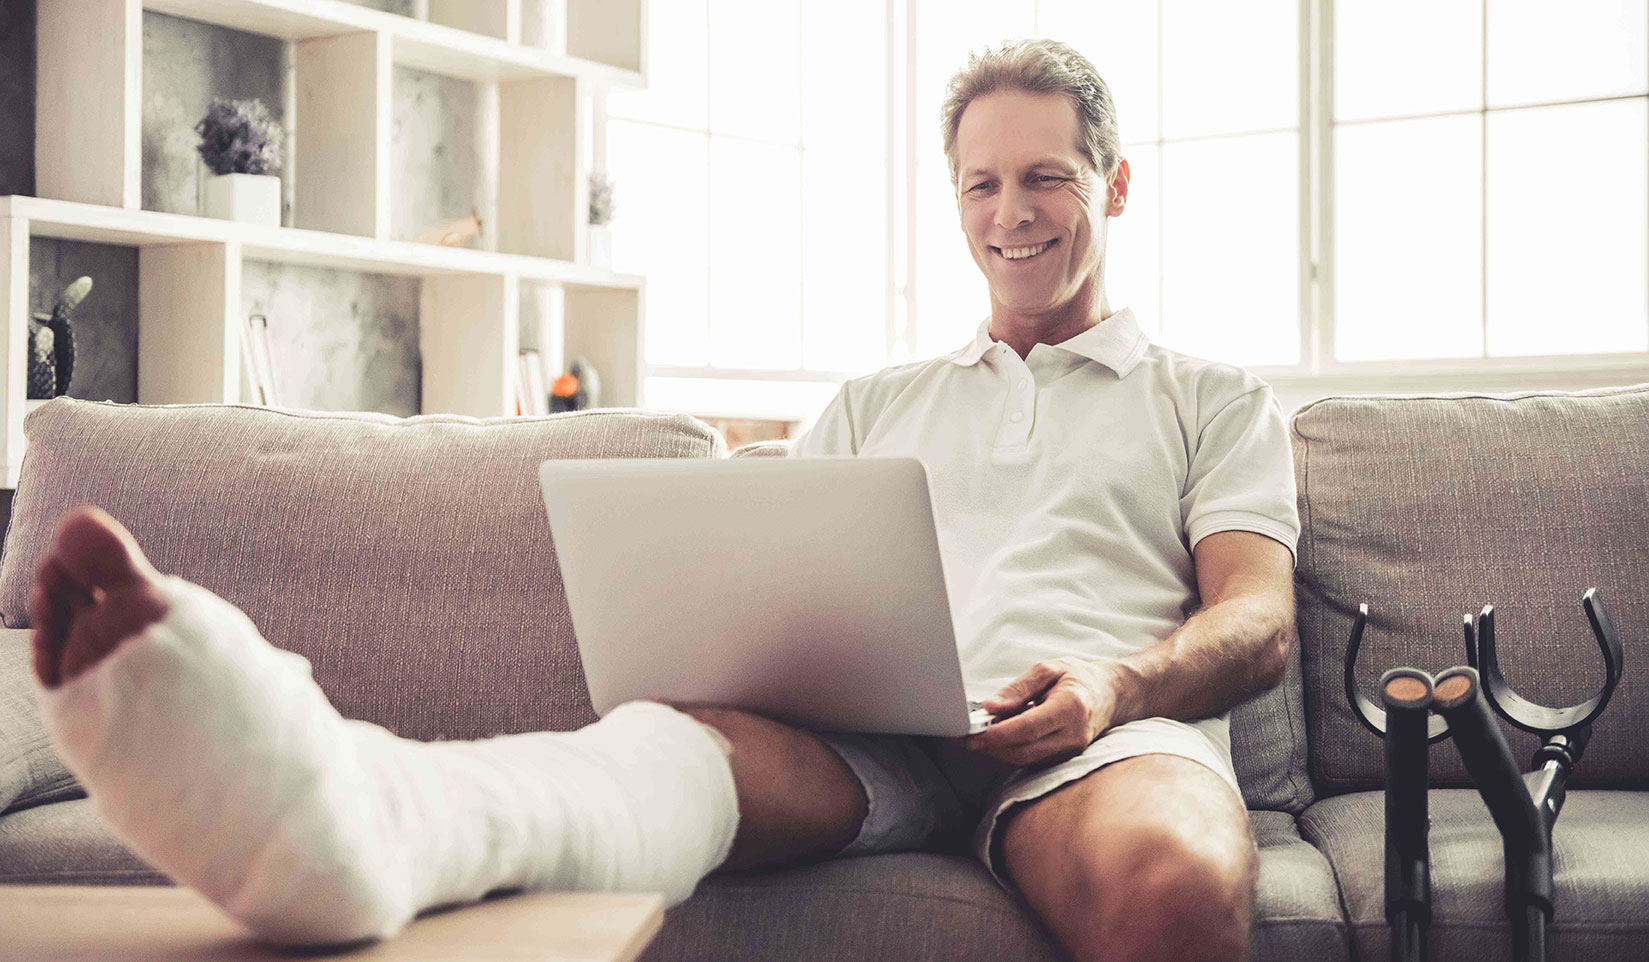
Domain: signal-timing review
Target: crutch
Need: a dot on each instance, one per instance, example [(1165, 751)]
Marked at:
[(1524, 810), (1403, 721)]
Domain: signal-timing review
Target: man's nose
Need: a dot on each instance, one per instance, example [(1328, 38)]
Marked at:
[(1013, 208)]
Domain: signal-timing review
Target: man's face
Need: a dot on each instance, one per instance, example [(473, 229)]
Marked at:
[(1025, 188)]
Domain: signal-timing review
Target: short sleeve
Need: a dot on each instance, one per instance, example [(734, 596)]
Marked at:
[(1241, 476), (832, 435)]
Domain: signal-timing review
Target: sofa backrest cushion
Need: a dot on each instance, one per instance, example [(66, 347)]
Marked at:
[(409, 559), (1429, 507)]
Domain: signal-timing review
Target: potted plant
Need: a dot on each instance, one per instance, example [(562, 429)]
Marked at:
[(240, 143), (602, 209)]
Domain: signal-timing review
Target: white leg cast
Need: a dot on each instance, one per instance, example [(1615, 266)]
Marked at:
[(216, 757)]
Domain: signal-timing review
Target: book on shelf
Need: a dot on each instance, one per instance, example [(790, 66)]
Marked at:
[(249, 368), (258, 361), (530, 380)]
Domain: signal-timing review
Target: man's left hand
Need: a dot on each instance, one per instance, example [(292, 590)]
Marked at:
[(1071, 703)]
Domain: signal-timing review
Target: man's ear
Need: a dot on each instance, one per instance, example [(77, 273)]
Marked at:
[(1116, 193)]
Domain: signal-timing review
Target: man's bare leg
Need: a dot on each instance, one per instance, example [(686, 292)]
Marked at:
[(1148, 858), (797, 798), (643, 799)]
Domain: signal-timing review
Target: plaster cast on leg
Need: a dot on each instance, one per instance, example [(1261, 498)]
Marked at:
[(216, 757)]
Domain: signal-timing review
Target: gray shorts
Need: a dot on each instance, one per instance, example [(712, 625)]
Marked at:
[(930, 793)]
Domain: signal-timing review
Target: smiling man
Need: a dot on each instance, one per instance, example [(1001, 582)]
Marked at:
[(1091, 491)]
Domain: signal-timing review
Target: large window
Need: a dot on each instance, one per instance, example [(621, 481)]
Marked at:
[(1320, 188)]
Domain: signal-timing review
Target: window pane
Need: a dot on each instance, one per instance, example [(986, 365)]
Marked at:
[(845, 109), (946, 32), (801, 401), (676, 41), (1229, 66), (755, 70), (755, 256), (659, 231), (844, 262), (1133, 272), (1385, 67), (950, 294), (1541, 52), (1231, 248), (1408, 250), (1120, 39), (1567, 216)]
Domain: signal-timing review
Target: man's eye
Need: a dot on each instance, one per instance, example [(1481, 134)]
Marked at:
[(1047, 177), (976, 188)]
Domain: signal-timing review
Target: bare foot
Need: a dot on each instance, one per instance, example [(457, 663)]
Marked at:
[(93, 590)]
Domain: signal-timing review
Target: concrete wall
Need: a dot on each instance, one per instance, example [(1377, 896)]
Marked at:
[(342, 341)]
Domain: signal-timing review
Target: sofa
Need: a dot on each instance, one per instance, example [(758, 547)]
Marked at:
[(411, 562)]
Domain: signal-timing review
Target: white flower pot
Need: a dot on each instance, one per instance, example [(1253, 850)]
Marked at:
[(248, 198), (601, 245)]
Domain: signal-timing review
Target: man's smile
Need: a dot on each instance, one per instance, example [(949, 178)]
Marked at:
[(1024, 253)]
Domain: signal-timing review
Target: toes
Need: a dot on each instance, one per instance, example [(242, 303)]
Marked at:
[(52, 605), (95, 551), (94, 590), (46, 638)]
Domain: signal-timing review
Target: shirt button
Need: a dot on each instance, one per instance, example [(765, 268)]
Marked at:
[(1021, 384), (1017, 416)]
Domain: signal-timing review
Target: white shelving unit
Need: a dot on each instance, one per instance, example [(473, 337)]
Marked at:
[(88, 175)]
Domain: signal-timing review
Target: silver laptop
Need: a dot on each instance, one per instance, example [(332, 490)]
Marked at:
[(806, 590)]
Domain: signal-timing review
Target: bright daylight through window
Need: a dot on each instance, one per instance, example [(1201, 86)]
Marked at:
[(783, 187)]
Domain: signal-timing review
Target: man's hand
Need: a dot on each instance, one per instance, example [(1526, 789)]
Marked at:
[(1071, 703)]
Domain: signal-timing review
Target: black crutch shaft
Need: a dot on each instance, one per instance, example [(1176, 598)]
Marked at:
[(1523, 829), (1406, 694)]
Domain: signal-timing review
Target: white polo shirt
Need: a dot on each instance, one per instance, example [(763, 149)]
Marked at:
[(1069, 487)]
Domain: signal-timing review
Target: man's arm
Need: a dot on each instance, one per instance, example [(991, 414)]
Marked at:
[(1234, 648)]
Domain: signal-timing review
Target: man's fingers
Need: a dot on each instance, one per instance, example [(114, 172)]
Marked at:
[(1042, 676), (1045, 719)]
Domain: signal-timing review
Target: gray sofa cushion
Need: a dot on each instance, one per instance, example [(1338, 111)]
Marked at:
[(1429, 507), (1602, 874), (933, 906), (408, 559), (66, 844), (30, 771)]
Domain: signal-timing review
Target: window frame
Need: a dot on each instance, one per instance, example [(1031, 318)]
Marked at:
[(1318, 372)]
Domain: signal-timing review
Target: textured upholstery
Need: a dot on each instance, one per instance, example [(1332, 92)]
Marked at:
[(30, 771), (843, 909), (66, 844), (863, 908), (1601, 850), (1427, 508), (408, 559)]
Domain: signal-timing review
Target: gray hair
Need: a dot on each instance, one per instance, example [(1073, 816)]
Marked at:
[(1038, 66)]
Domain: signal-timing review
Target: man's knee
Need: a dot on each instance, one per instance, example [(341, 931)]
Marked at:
[(1159, 894), (1123, 874)]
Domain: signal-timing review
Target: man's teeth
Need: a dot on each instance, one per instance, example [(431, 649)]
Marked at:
[(1020, 253)]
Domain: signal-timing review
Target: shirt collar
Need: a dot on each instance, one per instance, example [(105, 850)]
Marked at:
[(1116, 342)]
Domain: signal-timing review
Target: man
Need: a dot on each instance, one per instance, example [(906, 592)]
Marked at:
[(1089, 489)]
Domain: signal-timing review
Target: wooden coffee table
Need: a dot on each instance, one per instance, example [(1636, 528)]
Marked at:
[(114, 924)]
